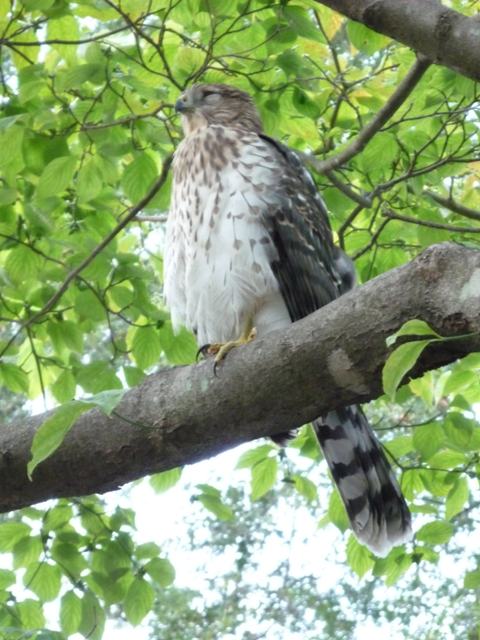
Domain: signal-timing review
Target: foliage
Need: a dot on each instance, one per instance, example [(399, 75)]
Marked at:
[(87, 122), (290, 598)]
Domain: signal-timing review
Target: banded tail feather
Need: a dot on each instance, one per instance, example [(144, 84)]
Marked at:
[(376, 508)]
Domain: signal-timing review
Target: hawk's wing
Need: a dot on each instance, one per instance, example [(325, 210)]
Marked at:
[(310, 270)]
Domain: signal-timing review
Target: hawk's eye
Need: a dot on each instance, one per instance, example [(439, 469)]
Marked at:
[(211, 96)]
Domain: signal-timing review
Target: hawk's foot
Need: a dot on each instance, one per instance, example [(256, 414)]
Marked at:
[(220, 350)]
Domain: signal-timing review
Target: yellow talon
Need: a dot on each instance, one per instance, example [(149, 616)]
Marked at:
[(220, 350)]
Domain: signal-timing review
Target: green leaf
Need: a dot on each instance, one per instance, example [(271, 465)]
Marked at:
[(14, 378), (399, 364), (88, 306), (139, 177), (146, 347), (161, 571), (428, 439), (307, 443), (26, 551), (133, 375), (52, 432), (7, 578), (31, 613), (63, 28), (472, 579), (305, 487), (93, 617), (98, 376), (79, 75), (44, 580), (358, 556), (215, 505), (252, 456), (89, 182), (301, 23), (70, 613), (138, 601), (107, 400), (180, 348), (56, 177), (459, 431), (264, 475), (364, 39), (413, 328), (437, 532), (456, 498), (11, 533), (22, 264), (209, 490), (64, 387), (336, 511), (161, 482)]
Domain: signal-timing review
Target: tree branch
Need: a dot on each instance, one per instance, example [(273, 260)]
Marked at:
[(392, 215), (453, 205), (331, 358), (364, 136), (440, 34)]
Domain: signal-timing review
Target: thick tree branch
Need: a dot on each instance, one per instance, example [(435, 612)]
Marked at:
[(182, 415), (440, 34)]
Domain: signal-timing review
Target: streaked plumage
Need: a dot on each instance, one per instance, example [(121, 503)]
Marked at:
[(248, 239)]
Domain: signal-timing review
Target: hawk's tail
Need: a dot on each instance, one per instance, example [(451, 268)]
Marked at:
[(375, 506)]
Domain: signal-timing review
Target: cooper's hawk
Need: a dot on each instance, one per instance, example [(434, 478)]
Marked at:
[(249, 245)]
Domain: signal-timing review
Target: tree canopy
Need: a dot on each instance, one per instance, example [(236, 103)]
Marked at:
[(87, 130)]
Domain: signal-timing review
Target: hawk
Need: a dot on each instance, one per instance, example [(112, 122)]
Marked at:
[(249, 247)]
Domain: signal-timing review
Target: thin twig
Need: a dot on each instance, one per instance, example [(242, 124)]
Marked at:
[(364, 200)]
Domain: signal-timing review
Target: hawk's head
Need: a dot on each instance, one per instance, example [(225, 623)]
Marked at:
[(205, 104)]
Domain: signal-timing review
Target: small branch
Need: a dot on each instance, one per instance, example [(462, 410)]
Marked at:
[(391, 215), (125, 120), (453, 205), (98, 249), (395, 101), (372, 241), (98, 36), (364, 200), (349, 220)]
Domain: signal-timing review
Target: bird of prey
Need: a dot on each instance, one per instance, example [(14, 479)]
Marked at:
[(249, 249)]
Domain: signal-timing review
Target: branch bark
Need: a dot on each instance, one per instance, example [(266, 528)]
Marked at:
[(430, 28), (331, 358)]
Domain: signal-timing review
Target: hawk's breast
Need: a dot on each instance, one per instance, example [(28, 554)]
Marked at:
[(218, 253)]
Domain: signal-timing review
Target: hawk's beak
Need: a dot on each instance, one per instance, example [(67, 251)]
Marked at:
[(180, 105)]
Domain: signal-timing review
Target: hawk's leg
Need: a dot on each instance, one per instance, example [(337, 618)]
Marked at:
[(220, 350)]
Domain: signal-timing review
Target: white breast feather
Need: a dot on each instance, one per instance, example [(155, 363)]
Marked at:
[(218, 253)]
